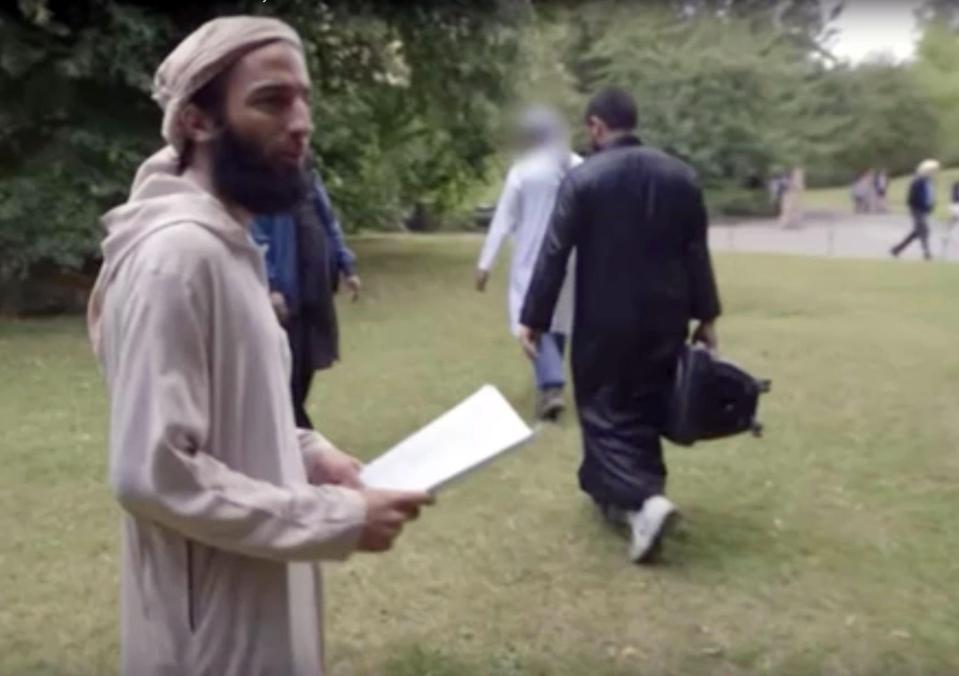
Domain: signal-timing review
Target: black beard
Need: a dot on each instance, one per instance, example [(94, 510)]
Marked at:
[(243, 175)]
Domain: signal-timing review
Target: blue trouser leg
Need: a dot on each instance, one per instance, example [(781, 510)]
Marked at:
[(549, 361)]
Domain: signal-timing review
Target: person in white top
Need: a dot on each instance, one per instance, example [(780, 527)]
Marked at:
[(523, 213)]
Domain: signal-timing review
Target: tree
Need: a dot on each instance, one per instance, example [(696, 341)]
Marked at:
[(935, 71), (732, 96), (398, 120), (891, 123), (73, 124), (742, 90)]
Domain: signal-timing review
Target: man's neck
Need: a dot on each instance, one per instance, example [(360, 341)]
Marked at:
[(615, 136)]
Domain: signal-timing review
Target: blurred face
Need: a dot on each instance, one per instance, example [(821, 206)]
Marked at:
[(525, 140), (259, 152)]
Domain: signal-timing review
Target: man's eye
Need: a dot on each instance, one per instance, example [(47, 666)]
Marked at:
[(271, 102)]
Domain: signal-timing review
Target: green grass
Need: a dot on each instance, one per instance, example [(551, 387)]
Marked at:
[(837, 199), (829, 547)]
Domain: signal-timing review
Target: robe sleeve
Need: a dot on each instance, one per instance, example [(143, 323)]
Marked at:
[(312, 446), (161, 468), (704, 294), (505, 220), (551, 265), (344, 257)]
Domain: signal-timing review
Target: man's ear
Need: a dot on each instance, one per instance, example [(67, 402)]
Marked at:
[(200, 127)]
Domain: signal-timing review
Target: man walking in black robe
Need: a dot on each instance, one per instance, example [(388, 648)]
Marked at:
[(637, 220)]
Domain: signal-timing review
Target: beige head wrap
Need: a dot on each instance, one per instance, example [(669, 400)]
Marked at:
[(206, 53)]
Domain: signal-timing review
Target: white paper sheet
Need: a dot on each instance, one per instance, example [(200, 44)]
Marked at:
[(458, 442)]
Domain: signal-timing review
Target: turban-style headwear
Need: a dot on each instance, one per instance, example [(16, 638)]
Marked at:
[(206, 53)]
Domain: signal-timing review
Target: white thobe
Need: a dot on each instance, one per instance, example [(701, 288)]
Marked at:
[(523, 213)]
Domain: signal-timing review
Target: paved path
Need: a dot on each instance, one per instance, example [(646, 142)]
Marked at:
[(839, 235), (822, 234)]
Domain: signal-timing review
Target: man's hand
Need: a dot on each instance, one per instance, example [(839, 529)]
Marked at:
[(706, 335), (355, 285), (529, 339), (333, 466), (482, 279), (386, 513)]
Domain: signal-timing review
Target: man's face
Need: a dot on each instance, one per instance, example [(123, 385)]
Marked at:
[(598, 132), (259, 155), (268, 103)]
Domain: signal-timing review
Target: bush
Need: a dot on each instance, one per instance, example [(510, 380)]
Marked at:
[(398, 121), (739, 203)]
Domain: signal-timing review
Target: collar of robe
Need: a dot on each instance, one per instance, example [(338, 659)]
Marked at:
[(621, 141)]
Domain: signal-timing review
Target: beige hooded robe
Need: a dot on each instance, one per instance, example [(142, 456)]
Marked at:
[(221, 526)]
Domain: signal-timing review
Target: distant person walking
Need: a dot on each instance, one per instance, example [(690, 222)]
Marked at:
[(777, 188), (953, 218), (880, 189), (864, 193), (922, 202), (791, 214)]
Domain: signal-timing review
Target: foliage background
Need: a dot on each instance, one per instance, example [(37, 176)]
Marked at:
[(413, 100)]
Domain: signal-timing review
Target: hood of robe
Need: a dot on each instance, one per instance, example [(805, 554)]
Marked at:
[(159, 198)]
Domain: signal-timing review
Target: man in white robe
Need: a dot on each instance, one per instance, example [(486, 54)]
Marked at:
[(523, 213), (227, 505)]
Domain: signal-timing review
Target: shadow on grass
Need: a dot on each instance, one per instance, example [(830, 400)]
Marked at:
[(706, 539)]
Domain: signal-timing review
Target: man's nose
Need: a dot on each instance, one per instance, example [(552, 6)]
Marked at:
[(301, 119)]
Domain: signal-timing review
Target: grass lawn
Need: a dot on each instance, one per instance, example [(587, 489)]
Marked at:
[(829, 547), (838, 199)]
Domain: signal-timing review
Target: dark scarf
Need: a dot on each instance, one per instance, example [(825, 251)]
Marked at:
[(316, 282)]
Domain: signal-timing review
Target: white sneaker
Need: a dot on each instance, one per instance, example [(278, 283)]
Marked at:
[(657, 517)]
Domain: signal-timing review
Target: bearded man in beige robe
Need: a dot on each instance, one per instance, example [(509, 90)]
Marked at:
[(228, 506)]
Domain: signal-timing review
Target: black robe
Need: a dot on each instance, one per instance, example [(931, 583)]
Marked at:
[(312, 327), (637, 221)]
